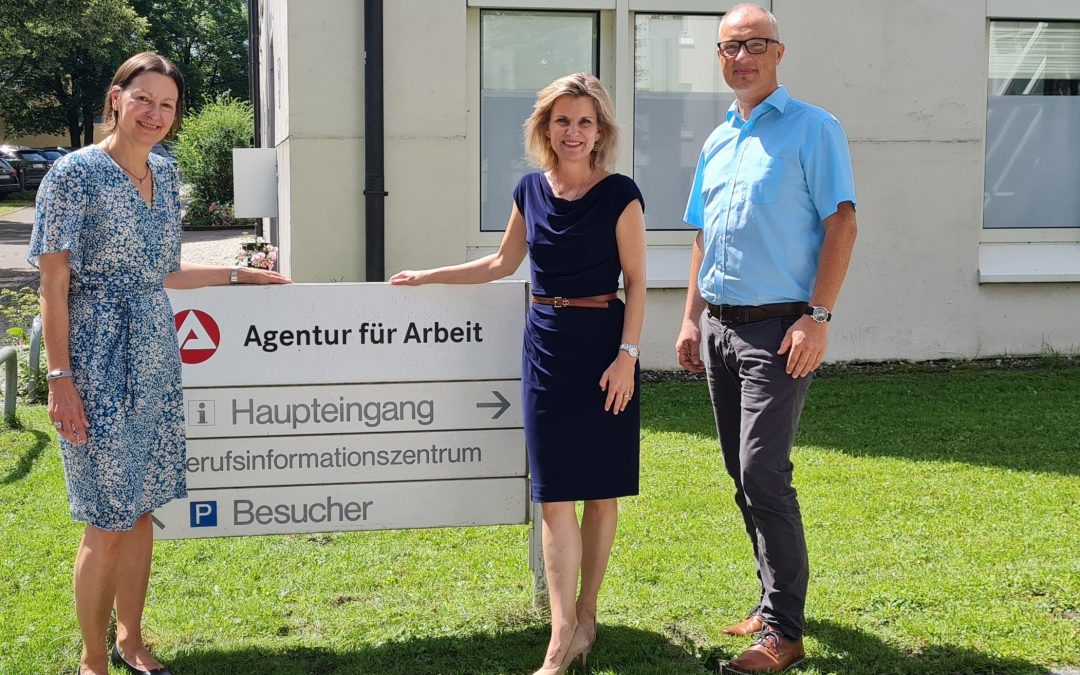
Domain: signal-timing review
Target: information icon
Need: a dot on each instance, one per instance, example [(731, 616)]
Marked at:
[(200, 413)]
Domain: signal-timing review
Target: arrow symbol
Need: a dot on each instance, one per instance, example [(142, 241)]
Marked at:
[(157, 522), (502, 405)]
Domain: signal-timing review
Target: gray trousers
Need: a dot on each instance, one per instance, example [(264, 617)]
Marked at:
[(757, 407)]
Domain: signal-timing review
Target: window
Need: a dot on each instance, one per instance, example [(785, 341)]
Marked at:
[(521, 52), (679, 98), (1033, 125)]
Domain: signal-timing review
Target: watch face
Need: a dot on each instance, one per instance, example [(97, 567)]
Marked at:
[(821, 315), (633, 351)]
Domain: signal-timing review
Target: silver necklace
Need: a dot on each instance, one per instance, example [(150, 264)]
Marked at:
[(568, 194)]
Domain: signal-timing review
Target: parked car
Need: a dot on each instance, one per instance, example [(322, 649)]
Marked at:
[(31, 166), (163, 151), (9, 179), (57, 148), (51, 154)]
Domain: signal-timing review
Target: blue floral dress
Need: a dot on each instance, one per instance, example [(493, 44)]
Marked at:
[(122, 338)]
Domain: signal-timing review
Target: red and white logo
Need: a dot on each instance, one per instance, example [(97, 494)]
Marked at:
[(197, 334)]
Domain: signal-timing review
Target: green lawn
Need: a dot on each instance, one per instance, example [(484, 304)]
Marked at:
[(15, 201), (942, 513)]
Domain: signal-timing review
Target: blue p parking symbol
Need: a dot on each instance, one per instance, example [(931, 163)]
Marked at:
[(203, 514)]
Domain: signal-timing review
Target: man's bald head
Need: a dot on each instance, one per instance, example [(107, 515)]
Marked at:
[(751, 11), (752, 76)]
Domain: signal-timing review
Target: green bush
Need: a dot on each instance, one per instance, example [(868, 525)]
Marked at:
[(205, 144), (201, 214), (18, 309)]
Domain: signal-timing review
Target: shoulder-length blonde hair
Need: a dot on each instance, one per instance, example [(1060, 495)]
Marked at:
[(537, 145)]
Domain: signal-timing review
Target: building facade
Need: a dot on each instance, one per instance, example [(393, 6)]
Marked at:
[(963, 119)]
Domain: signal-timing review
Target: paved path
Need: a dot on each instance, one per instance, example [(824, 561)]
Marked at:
[(209, 247), (14, 238)]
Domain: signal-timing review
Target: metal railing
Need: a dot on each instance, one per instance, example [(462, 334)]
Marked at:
[(35, 355), (9, 356)]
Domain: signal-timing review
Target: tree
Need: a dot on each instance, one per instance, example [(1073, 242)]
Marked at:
[(56, 60), (205, 144), (207, 39)]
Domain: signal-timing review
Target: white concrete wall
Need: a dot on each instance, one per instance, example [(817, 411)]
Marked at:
[(910, 87), (906, 77), (318, 130), (426, 124), (914, 117)]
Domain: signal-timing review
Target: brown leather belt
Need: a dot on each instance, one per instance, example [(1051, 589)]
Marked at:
[(736, 315), (589, 301)]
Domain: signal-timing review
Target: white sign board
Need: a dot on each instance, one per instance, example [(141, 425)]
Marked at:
[(344, 506), (255, 184), (329, 407)]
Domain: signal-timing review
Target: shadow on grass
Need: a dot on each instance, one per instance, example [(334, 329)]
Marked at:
[(1022, 421), (26, 461), (842, 649), (849, 650), (619, 649)]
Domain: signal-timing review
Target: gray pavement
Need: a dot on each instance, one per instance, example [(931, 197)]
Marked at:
[(14, 238), (207, 247)]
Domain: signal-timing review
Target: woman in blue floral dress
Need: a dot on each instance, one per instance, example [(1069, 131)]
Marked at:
[(107, 240)]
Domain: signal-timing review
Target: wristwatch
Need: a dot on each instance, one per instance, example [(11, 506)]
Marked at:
[(234, 275), (630, 349), (57, 374), (818, 313)]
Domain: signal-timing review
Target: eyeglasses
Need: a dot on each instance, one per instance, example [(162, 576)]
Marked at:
[(731, 48)]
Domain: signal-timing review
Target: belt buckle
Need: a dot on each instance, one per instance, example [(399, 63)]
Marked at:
[(558, 301)]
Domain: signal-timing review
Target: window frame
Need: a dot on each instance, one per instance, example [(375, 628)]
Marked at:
[(476, 95), (1022, 10), (1032, 10), (1025, 254), (668, 251)]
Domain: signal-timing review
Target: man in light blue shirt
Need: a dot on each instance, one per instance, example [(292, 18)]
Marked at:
[(774, 202)]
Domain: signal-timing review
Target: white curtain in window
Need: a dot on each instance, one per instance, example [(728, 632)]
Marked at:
[(1033, 125), (520, 53), (679, 97)]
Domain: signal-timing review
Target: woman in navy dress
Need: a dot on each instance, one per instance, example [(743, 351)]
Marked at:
[(107, 239), (581, 227)]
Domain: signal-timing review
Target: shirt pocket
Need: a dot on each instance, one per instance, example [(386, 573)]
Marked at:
[(770, 177)]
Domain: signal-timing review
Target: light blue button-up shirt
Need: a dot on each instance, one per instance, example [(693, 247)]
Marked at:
[(762, 188)]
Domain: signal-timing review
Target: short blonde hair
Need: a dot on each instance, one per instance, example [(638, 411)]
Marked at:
[(537, 145)]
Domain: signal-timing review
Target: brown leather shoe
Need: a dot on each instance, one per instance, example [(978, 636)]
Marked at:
[(770, 653), (748, 626)]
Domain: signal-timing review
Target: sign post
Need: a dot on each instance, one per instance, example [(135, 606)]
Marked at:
[(335, 407)]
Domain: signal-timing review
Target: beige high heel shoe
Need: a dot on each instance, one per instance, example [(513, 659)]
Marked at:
[(579, 647), (591, 645)]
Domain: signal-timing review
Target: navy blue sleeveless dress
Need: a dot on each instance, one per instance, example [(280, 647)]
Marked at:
[(576, 450)]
